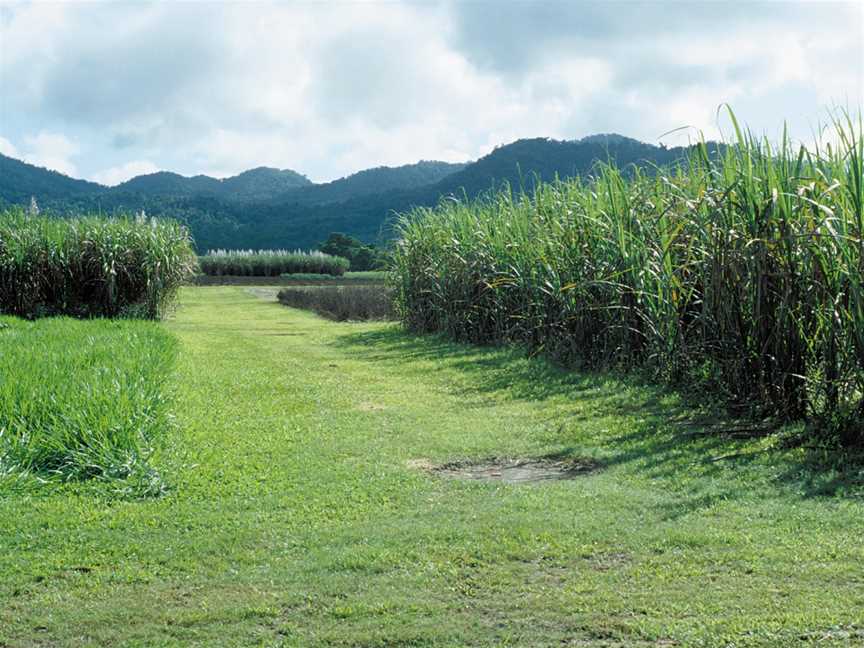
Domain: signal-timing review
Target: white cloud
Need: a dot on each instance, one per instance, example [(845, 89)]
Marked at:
[(8, 148), (52, 151), (327, 89), (116, 175)]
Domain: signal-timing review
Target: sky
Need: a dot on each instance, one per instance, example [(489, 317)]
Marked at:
[(109, 90)]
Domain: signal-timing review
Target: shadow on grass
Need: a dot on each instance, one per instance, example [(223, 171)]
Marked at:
[(660, 434)]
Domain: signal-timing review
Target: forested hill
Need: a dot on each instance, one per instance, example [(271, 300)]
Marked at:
[(265, 208), (255, 184), (20, 181), (374, 181), (525, 160), (519, 164)]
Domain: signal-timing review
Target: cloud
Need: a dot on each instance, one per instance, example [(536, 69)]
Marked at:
[(328, 89), (7, 148), (46, 149), (122, 173), (674, 64), (49, 150)]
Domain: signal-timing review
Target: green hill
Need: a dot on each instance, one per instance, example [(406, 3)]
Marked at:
[(272, 208), (19, 181), (263, 182), (520, 164), (255, 184), (375, 181)]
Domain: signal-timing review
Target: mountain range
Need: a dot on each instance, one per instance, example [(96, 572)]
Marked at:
[(280, 208)]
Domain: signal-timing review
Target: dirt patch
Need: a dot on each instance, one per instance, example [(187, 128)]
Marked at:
[(370, 407), (512, 471), (609, 560), (263, 293)]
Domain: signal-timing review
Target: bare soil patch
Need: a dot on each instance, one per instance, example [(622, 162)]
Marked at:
[(512, 470), (608, 560), (263, 293)]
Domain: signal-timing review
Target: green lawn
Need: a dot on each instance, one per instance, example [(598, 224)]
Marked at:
[(294, 518)]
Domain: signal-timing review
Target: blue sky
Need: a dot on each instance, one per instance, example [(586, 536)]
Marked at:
[(108, 90)]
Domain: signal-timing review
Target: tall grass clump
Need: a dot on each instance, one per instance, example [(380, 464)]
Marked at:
[(83, 399), (90, 267), (270, 263), (342, 303), (741, 271)]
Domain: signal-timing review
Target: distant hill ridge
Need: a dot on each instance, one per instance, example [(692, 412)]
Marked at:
[(266, 207), (254, 184), (20, 181), (375, 181)]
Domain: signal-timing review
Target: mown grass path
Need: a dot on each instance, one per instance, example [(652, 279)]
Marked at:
[(294, 518)]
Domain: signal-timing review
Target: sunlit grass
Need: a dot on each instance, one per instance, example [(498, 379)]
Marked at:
[(83, 399), (296, 515)]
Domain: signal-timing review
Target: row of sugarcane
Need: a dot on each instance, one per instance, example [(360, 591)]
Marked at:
[(740, 270), (270, 263), (91, 266)]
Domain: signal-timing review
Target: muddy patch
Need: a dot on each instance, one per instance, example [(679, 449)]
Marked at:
[(370, 407), (609, 560), (263, 293), (512, 471)]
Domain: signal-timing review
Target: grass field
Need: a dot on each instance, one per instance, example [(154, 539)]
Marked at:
[(296, 517)]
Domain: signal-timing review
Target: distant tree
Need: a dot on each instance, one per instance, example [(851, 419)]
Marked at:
[(362, 257), (338, 242)]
